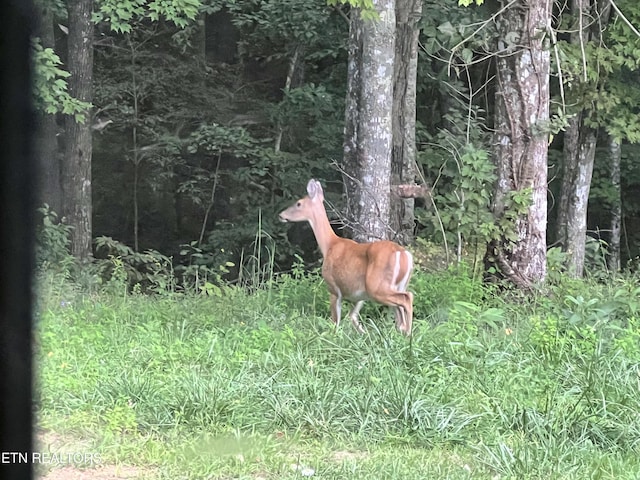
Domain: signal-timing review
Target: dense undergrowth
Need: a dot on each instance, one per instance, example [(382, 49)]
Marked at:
[(260, 385)]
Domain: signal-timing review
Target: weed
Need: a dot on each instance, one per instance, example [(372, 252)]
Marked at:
[(246, 385)]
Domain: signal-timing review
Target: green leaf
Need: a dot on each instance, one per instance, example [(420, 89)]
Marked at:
[(467, 55), (447, 29)]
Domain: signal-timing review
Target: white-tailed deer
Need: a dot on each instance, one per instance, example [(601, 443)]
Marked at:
[(378, 271)]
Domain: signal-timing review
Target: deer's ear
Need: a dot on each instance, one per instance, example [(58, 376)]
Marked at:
[(314, 189)]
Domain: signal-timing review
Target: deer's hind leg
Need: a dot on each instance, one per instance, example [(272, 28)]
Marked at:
[(354, 315), (404, 314)]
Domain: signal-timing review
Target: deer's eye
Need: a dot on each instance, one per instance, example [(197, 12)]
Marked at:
[(299, 204)]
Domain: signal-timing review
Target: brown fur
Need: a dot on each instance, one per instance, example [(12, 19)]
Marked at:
[(357, 271)]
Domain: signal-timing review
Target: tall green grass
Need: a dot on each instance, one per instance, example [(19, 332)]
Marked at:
[(261, 385)]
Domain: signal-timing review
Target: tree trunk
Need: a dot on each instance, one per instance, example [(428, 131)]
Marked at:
[(76, 164), (46, 141), (403, 157), (135, 151), (579, 147), (579, 153), (615, 154), (368, 127), (522, 108), (294, 65), (200, 41)]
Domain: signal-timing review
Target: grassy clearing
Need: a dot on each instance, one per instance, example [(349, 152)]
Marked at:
[(260, 385)]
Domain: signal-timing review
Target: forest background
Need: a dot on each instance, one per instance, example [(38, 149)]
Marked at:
[(209, 117)]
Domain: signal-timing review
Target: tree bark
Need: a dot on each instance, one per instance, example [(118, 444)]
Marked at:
[(615, 154), (46, 141), (403, 157), (522, 109), (368, 127), (579, 147), (76, 164), (294, 65), (579, 154)]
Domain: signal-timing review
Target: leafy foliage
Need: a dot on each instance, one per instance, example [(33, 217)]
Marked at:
[(465, 210), (602, 77), (283, 24), (121, 14), (50, 88), (366, 7), (205, 179), (124, 268), (53, 241), (455, 142), (455, 42)]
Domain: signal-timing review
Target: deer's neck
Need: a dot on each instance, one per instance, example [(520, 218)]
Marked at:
[(325, 236)]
